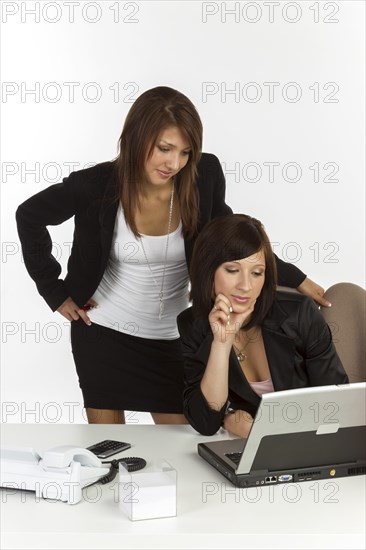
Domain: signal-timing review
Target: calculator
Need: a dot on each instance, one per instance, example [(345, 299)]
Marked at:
[(108, 447)]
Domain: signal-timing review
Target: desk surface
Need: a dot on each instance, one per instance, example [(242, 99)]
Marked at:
[(211, 513)]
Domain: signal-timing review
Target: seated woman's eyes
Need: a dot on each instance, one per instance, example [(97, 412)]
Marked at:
[(231, 270), (257, 273), (163, 149)]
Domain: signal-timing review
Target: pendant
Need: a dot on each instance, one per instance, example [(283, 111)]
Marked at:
[(241, 356), (161, 309)]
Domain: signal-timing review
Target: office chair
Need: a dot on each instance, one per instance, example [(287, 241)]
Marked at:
[(347, 322)]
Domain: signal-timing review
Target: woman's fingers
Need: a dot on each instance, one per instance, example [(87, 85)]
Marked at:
[(315, 291), (68, 309), (72, 312), (222, 326), (91, 304), (225, 324), (223, 303), (219, 316), (84, 317)]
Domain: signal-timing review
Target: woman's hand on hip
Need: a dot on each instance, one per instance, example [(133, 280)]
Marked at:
[(72, 312)]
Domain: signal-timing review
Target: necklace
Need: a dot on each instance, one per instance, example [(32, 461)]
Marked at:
[(240, 355), (161, 292)]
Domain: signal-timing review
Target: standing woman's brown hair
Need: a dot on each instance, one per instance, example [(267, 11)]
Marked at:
[(154, 111)]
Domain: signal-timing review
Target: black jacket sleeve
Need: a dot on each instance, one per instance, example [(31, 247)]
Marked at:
[(196, 345), (288, 274), (86, 195), (322, 363), (52, 206)]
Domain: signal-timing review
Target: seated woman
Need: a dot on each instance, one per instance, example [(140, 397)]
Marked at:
[(243, 338)]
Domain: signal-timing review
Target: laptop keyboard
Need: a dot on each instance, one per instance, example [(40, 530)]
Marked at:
[(235, 457)]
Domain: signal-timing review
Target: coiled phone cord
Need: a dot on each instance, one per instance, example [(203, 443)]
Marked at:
[(131, 463)]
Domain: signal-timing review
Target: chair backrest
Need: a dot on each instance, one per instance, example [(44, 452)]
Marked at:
[(347, 322)]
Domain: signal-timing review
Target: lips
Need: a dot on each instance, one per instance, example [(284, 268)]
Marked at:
[(164, 174), (240, 299)]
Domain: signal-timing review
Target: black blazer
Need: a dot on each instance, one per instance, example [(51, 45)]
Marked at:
[(299, 350), (91, 195)]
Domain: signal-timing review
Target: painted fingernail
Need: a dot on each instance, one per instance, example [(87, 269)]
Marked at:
[(231, 309)]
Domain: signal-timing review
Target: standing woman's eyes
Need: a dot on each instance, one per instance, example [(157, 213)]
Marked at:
[(231, 270), (166, 150), (258, 273)]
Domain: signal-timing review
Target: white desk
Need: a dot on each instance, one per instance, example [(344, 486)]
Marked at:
[(211, 512)]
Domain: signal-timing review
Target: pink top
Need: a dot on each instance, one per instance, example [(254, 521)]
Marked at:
[(262, 387)]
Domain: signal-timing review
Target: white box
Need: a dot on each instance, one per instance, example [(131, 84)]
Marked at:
[(149, 493)]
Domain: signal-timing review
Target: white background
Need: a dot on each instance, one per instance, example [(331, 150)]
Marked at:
[(311, 52)]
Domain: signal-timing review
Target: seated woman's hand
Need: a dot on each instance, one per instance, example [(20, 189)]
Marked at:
[(238, 422), (225, 322)]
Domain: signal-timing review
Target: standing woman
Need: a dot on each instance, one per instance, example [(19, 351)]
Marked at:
[(136, 220)]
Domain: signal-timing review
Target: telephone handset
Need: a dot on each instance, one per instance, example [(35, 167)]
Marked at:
[(60, 474), (62, 456)]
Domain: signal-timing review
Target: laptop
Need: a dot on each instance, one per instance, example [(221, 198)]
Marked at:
[(297, 435)]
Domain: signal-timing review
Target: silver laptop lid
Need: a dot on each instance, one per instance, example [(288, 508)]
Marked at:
[(323, 409)]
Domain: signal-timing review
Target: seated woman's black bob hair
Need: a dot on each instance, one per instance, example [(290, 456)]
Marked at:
[(226, 239)]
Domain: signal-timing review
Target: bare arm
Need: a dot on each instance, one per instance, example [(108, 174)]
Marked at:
[(225, 324)]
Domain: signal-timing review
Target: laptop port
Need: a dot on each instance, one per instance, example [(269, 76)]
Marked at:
[(271, 479), (285, 477)]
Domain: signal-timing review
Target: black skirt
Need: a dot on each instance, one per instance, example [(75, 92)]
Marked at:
[(123, 372)]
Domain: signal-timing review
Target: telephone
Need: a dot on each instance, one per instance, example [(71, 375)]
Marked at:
[(60, 474)]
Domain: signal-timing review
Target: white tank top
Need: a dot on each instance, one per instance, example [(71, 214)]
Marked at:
[(128, 296)]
